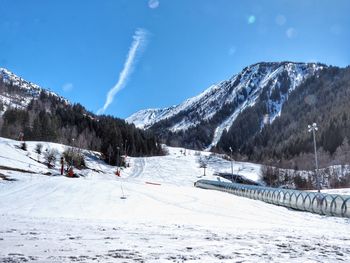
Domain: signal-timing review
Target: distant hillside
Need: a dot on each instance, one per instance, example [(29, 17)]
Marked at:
[(262, 113), (43, 115), (200, 122), (324, 99)]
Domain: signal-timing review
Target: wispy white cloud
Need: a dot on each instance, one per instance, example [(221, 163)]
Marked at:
[(139, 41), (67, 87)]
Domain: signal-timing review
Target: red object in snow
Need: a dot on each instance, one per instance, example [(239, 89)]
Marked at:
[(70, 172), (117, 173)]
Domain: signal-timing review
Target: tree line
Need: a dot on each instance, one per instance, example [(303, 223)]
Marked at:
[(286, 143), (50, 118)]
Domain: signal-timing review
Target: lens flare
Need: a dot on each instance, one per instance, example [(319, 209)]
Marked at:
[(281, 20), (153, 4), (291, 32), (251, 19)]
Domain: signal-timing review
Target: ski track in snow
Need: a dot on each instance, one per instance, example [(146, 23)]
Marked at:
[(138, 166), (58, 219)]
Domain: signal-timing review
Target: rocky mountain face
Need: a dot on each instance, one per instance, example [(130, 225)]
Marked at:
[(201, 121), (16, 92)]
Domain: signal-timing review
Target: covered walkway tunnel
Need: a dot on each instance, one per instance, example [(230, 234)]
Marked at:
[(314, 202)]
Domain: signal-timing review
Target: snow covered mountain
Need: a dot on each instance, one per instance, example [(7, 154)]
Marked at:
[(220, 105), (16, 92)]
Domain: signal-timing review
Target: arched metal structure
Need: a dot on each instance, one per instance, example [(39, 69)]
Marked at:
[(319, 203)]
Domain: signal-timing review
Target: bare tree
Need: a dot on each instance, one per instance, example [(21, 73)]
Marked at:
[(270, 175), (342, 154), (38, 148), (203, 164), (74, 157), (82, 142), (110, 152), (50, 156)]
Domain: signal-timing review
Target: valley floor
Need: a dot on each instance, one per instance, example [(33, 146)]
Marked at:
[(163, 218)]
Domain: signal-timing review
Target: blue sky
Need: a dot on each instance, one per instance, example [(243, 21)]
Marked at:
[(79, 48)]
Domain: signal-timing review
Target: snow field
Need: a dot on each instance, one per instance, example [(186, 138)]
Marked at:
[(163, 219)]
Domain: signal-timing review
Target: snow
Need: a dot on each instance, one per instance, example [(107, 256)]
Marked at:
[(146, 118), (163, 219), (340, 191), (13, 157)]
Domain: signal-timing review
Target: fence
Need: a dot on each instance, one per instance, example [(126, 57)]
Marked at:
[(319, 203)]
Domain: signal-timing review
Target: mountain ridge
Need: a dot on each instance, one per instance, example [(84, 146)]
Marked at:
[(233, 95), (29, 90)]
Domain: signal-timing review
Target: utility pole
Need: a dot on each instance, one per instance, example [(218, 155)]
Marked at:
[(118, 156), (313, 128)]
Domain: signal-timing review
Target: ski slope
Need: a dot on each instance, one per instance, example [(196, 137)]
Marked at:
[(163, 218)]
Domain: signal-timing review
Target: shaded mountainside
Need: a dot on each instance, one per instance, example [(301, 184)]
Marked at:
[(263, 113), (45, 116), (324, 99), (200, 122)]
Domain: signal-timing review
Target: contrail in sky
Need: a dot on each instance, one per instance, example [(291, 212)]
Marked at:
[(139, 40)]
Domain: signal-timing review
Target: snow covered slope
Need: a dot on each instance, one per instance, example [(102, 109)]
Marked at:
[(163, 218), (221, 104), (21, 92), (179, 161), (144, 118)]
